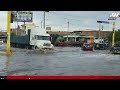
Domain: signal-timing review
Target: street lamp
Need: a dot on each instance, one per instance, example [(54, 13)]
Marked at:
[(68, 30), (113, 39), (100, 22), (102, 26)]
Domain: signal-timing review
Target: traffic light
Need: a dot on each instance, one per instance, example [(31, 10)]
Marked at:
[(11, 17)]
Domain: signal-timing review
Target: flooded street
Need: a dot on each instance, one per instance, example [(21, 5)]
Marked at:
[(63, 61), (71, 32)]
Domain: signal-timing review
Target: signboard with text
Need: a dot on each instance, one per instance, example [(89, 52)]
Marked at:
[(22, 16)]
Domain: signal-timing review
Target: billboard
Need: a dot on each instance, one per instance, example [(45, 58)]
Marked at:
[(22, 16)]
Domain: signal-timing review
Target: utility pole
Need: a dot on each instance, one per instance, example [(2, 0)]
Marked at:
[(8, 51), (68, 26), (24, 28), (68, 30), (102, 26), (113, 35), (41, 24), (44, 20), (99, 30), (17, 28), (113, 30)]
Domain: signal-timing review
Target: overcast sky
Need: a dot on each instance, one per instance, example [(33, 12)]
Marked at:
[(57, 20)]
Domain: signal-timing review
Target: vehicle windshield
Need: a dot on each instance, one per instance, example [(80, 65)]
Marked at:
[(42, 37)]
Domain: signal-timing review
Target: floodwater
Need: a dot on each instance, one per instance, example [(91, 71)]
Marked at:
[(61, 61)]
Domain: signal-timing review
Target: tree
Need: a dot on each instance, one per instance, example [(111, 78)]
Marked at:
[(2, 34), (60, 38), (12, 34), (117, 36), (109, 37)]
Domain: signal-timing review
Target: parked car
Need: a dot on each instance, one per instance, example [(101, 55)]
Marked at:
[(87, 47), (102, 46), (116, 48)]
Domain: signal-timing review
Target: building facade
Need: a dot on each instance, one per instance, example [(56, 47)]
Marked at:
[(103, 34)]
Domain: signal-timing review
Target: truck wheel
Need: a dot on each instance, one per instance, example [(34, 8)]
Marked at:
[(36, 47)]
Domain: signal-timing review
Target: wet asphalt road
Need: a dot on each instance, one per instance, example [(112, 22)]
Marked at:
[(62, 61)]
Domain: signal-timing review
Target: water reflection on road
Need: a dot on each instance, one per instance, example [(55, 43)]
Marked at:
[(63, 61)]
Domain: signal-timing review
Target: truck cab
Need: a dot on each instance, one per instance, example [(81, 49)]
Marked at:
[(40, 39)]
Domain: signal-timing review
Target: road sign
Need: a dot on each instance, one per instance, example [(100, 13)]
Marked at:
[(103, 22)]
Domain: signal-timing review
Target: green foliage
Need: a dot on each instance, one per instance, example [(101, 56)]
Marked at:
[(2, 35), (117, 36), (109, 37), (12, 34), (60, 39), (57, 38)]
